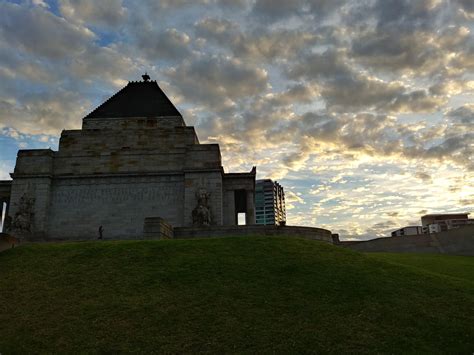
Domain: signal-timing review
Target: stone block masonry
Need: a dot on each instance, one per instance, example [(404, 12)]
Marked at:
[(119, 204), (133, 159), (157, 228), (254, 231)]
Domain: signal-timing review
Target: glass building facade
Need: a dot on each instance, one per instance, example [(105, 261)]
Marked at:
[(269, 203)]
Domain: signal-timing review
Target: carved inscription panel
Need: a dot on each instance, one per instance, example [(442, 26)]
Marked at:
[(163, 193), (80, 206)]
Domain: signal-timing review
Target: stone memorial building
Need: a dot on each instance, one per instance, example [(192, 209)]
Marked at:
[(134, 158)]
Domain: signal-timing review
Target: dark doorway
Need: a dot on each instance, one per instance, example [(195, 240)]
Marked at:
[(240, 198)]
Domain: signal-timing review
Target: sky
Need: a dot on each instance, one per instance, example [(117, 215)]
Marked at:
[(362, 110)]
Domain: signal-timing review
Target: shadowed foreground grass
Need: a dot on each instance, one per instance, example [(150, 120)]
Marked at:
[(461, 267), (243, 295)]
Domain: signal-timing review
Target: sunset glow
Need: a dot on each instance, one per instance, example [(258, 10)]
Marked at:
[(362, 110)]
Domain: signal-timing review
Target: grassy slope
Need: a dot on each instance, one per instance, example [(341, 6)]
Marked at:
[(461, 267), (226, 295)]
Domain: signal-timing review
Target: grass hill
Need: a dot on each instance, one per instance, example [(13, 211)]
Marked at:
[(232, 295)]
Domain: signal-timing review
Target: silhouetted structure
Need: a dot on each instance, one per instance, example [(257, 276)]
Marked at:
[(134, 158)]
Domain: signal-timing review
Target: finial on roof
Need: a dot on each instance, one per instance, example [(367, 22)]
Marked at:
[(146, 77)]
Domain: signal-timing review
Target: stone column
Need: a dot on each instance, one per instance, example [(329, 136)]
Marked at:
[(8, 219), (250, 210), (1, 215), (229, 208)]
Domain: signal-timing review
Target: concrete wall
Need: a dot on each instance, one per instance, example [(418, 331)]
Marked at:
[(455, 241), (255, 230)]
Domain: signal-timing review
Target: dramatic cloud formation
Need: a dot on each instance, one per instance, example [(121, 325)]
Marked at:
[(362, 109)]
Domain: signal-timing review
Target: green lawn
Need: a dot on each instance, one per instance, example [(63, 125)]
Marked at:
[(231, 295), (461, 267)]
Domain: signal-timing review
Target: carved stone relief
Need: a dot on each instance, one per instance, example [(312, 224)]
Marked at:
[(202, 212), (23, 219)]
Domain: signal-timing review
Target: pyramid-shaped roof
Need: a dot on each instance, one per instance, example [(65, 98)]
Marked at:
[(137, 99)]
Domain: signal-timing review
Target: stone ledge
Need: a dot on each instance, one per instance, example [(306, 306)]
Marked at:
[(157, 228), (253, 230)]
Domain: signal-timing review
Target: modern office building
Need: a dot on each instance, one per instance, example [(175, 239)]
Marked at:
[(435, 223), (269, 203)]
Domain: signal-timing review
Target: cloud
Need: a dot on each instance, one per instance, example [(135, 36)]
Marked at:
[(163, 45), (463, 114), (345, 89), (407, 15), (43, 113), (359, 92), (38, 32), (375, 135), (106, 63), (41, 3), (426, 178), (271, 10), (274, 45), (104, 13), (218, 81), (296, 94)]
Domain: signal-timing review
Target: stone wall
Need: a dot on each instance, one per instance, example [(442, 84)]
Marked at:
[(34, 162), (119, 204), (116, 172), (132, 123), (458, 241), (254, 230), (157, 228), (90, 142), (128, 151)]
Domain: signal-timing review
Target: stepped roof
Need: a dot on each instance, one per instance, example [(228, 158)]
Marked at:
[(137, 99)]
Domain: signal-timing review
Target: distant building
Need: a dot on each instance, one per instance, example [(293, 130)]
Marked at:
[(435, 223), (409, 230), (269, 202)]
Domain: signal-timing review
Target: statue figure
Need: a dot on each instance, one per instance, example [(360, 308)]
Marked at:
[(23, 219), (202, 213)]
